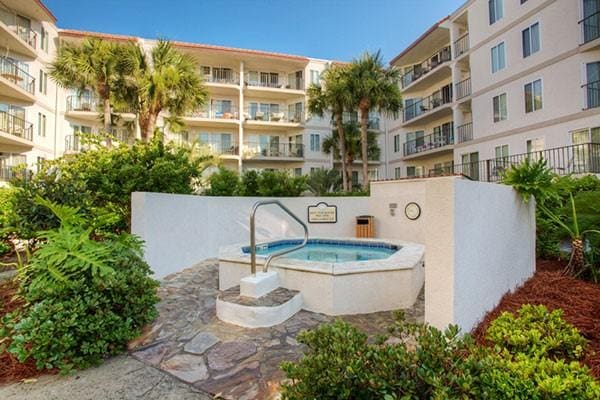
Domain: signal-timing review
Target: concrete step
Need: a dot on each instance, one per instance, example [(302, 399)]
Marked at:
[(271, 309)]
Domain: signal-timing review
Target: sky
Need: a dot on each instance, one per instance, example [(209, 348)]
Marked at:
[(327, 29)]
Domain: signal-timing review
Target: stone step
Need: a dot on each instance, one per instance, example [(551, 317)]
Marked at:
[(271, 309)]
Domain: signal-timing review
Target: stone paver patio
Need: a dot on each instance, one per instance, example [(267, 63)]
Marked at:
[(188, 342)]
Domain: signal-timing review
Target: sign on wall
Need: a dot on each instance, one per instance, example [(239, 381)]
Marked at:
[(322, 213)]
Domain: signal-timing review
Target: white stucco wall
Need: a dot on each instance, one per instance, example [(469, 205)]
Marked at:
[(181, 230), (480, 244)]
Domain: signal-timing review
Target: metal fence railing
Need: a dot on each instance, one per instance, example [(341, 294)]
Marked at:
[(432, 141), (463, 88), (590, 27), (461, 45), (17, 75), (280, 150), (428, 104), (424, 68), (15, 126), (464, 132)]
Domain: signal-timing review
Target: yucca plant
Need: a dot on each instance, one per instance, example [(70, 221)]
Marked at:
[(535, 179)]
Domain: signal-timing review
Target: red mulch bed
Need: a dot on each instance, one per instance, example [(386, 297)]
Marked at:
[(11, 370), (579, 300)]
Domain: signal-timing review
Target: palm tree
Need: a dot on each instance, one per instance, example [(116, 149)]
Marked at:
[(91, 64), (352, 146), (333, 97), (323, 181), (373, 87), (164, 80)]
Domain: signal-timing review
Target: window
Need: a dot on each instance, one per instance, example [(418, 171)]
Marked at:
[(500, 109), (398, 172), (592, 86), (523, 1), (413, 171), (41, 125), (297, 171), (43, 82), (498, 58), (396, 143), (39, 163), (585, 157), (531, 40), (533, 96), (44, 41), (315, 142), (501, 151), (496, 10), (314, 77), (470, 165), (314, 169), (354, 178)]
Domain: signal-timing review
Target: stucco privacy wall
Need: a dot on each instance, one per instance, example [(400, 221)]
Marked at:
[(181, 230), (480, 244)]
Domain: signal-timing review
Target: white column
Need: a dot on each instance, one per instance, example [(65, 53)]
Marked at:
[(241, 118)]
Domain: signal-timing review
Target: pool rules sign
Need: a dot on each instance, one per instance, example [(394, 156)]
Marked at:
[(322, 213)]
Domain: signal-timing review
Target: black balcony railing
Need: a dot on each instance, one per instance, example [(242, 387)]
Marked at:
[(216, 112), (461, 45), (430, 64), (427, 104), (24, 32), (432, 141), (281, 115), (279, 150), (17, 75), (223, 76), (221, 148), (15, 126), (590, 27), (463, 88), (464, 132), (575, 159), (592, 94), (84, 103), (274, 81)]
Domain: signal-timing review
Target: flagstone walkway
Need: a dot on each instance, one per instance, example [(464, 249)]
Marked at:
[(188, 342)]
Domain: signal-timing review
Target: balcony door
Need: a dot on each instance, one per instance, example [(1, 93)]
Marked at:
[(586, 150), (470, 165), (591, 20), (592, 72)]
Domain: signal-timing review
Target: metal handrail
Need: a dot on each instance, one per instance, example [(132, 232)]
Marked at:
[(256, 206)]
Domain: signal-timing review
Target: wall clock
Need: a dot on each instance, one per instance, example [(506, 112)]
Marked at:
[(412, 211)]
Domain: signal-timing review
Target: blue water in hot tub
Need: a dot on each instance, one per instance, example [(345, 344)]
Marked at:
[(334, 251)]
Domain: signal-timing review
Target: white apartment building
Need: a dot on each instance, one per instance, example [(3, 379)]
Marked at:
[(498, 81), (255, 117)]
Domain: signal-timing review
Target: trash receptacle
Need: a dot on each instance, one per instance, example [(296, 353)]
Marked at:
[(365, 226)]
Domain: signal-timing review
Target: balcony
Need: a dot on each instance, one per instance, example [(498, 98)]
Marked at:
[(19, 37), (590, 28), (464, 133), (436, 140), (428, 106), (273, 85), (281, 117), (15, 82), (463, 89), (15, 131), (426, 67), (222, 81), (461, 45), (88, 107), (214, 116), (592, 95), (576, 159), (221, 148), (277, 151)]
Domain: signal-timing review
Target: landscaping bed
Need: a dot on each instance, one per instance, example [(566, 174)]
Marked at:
[(579, 300), (11, 370)]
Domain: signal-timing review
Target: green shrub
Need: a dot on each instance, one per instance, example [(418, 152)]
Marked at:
[(99, 182), (250, 183), (536, 332), (280, 184), (341, 363), (223, 182), (84, 299), (322, 182)]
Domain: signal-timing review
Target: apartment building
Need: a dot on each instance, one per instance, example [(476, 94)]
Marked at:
[(498, 81), (28, 99), (255, 117)]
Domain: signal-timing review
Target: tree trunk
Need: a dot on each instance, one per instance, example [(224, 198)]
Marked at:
[(108, 121), (342, 147), (577, 261), (364, 124), (147, 125), (349, 163)]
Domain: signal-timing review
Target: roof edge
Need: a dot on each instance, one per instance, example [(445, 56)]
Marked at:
[(47, 11), (420, 39)]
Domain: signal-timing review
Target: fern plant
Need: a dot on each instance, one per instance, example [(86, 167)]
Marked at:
[(68, 254)]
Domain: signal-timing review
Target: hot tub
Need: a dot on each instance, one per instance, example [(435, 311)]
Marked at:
[(337, 276)]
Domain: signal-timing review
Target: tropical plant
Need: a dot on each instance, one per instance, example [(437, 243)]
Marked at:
[(323, 181), (534, 178), (373, 88), (223, 182), (164, 80), (93, 63), (280, 183), (333, 97), (100, 182), (353, 146), (84, 299)]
